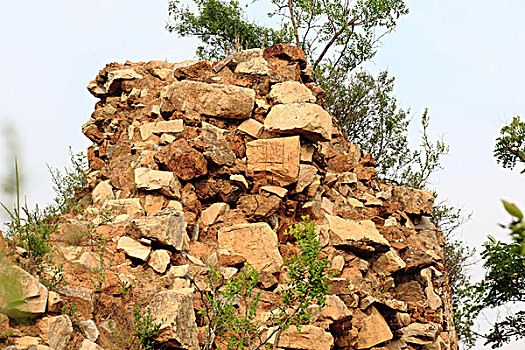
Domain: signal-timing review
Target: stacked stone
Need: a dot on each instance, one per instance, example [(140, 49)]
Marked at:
[(198, 162)]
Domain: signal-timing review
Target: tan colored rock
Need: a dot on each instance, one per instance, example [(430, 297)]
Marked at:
[(89, 345), (60, 331), (26, 342), (161, 127), (54, 302), (191, 69), (252, 127), (291, 92), (278, 158), (128, 206), (166, 139), (173, 310), (90, 330), (102, 192), (338, 263), (240, 180), (360, 235), (433, 300), (254, 66), (213, 100), (152, 204), (162, 73), (307, 153), (347, 178), (256, 242), (310, 337), (180, 271), (420, 333), (223, 257), (133, 248), (373, 330), (277, 190), (410, 292), (111, 81), (307, 119), (307, 175), (217, 149), (328, 206), (214, 213), (355, 203), (151, 180), (22, 295), (388, 263), (413, 201), (335, 309), (168, 227), (159, 260)]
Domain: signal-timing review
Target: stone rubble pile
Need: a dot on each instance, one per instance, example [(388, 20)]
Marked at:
[(199, 162)]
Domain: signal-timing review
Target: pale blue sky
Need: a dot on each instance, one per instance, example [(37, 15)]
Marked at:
[(462, 59)]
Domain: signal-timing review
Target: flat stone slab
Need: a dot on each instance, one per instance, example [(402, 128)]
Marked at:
[(279, 158), (213, 100), (306, 119)]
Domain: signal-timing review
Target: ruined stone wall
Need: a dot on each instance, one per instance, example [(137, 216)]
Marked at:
[(198, 162)]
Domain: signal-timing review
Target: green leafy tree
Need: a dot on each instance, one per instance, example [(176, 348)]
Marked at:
[(503, 285), (504, 282), (222, 27), (510, 146), (335, 36)]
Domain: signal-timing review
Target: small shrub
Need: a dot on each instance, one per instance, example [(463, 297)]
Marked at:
[(230, 306), (144, 327)]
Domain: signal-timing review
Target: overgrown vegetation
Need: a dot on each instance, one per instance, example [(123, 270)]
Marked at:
[(143, 329), (504, 263), (31, 228), (230, 305)]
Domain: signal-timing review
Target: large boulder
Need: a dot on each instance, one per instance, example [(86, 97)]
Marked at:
[(213, 100), (420, 333), (307, 338), (184, 161), (373, 330), (360, 235), (133, 248), (165, 181), (277, 158), (161, 127), (60, 331), (217, 148), (256, 242), (291, 92), (413, 201), (306, 119), (173, 311), (21, 295), (167, 227)]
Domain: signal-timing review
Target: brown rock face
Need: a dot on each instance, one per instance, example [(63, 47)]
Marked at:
[(208, 163), (183, 160), (278, 158)]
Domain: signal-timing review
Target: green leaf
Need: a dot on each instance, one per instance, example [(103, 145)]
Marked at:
[(513, 210)]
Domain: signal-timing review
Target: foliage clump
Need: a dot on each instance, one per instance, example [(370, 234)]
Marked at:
[(230, 306), (31, 229)]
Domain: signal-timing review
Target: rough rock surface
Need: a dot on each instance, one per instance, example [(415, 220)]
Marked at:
[(201, 163)]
